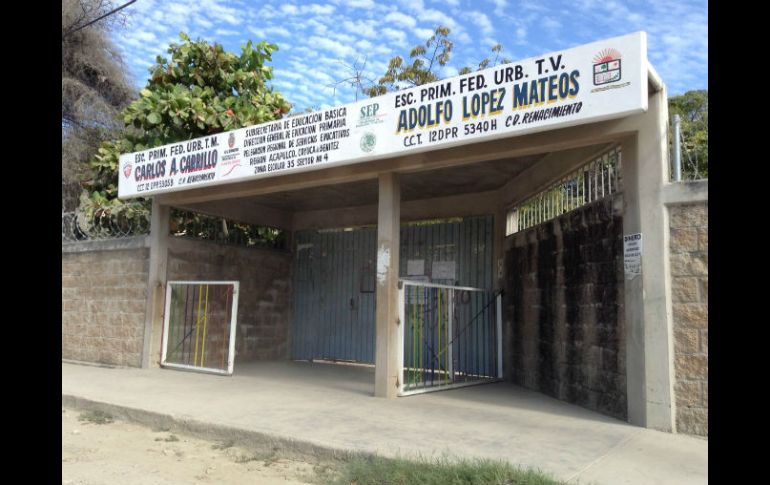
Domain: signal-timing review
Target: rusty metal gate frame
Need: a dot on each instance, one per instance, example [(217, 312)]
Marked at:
[(233, 321)]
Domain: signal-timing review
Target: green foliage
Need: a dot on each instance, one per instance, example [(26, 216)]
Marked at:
[(693, 108), (199, 226), (204, 90), (199, 90), (377, 470)]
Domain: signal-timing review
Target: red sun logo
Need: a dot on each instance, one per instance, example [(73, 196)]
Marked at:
[(606, 55)]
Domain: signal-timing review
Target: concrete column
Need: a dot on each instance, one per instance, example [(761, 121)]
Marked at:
[(156, 284), (388, 237), (649, 340)]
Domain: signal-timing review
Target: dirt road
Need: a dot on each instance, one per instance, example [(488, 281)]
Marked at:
[(118, 453)]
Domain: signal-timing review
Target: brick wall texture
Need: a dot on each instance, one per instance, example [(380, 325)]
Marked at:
[(563, 308), (103, 301), (104, 297), (689, 294), (264, 295)]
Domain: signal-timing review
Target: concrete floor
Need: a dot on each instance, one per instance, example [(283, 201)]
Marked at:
[(332, 406)]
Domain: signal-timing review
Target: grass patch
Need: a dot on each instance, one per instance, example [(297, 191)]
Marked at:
[(223, 445), (170, 438), (96, 417), (441, 471), (267, 457)]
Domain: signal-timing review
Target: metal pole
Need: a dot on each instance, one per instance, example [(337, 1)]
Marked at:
[(677, 150)]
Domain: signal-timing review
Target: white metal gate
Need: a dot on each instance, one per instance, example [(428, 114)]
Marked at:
[(199, 326), (449, 336)]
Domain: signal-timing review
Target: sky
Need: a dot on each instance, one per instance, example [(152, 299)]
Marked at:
[(319, 40)]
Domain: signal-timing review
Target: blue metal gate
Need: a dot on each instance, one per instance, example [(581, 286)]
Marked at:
[(334, 280)]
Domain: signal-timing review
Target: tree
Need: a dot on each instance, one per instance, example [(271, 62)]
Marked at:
[(94, 89), (484, 63), (693, 108), (200, 90), (426, 60)]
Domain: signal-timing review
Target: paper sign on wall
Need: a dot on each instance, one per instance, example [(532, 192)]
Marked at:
[(415, 267), (443, 270), (632, 255)]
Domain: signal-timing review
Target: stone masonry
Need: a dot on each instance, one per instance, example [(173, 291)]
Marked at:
[(563, 308), (689, 295), (265, 286), (103, 305)]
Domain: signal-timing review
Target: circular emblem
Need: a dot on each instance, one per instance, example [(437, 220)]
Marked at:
[(368, 141)]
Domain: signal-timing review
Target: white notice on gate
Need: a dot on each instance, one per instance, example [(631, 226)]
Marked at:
[(632, 255), (415, 267), (443, 270)]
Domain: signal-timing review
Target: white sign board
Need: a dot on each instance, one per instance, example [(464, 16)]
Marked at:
[(593, 82), (443, 270), (632, 255), (415, 267)]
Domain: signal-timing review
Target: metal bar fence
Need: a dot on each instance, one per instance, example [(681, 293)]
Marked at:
[(685, 163), (449, 336), (597, 179)]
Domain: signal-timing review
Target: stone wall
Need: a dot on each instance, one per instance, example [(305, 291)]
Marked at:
[(103, 305), (689, 294), (563, 308), (264, 296)]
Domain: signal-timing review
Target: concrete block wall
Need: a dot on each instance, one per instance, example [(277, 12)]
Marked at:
[(103, 305), (563, 308), (265, 291), (688, 246)]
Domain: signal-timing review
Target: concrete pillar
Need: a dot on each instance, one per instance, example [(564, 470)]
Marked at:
[(388, 237), (156, 284), (649, 340)]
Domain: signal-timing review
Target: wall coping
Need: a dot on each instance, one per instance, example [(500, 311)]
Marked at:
[(689, 192), (136, 242)]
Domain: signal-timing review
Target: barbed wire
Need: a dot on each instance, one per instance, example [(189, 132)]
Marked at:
[(78, 226)]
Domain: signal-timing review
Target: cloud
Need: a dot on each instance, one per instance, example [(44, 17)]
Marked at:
[(320, 9), (423, 34), (364, 28), (397, 36), (551, 23), (337, 48), (401, 19), (268, 32), (482, 21), (226, 32), (360, 3), (500, 6), (346, 30), (437, 17)]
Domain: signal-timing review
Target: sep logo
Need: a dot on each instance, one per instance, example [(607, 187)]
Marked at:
[(369, 115)]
